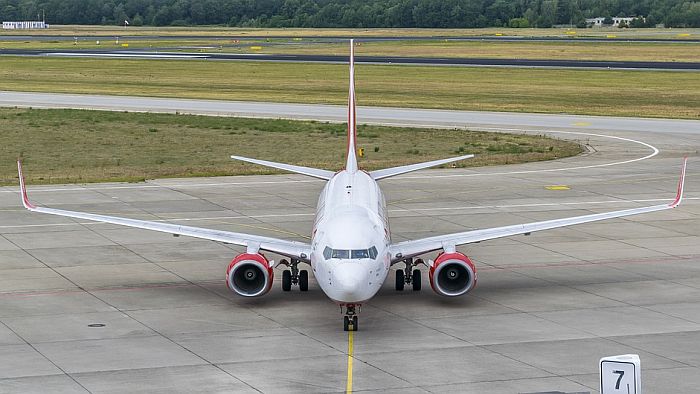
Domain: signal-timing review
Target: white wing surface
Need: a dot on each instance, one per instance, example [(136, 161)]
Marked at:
[(406, 249), (294, 249)]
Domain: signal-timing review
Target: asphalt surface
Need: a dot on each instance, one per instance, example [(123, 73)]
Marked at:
[(97, 308), (375, 115), (443, 61)]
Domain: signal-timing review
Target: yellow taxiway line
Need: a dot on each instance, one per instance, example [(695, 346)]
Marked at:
[(348, 386)]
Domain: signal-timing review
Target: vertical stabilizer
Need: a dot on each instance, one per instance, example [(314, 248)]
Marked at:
[(351, 164)]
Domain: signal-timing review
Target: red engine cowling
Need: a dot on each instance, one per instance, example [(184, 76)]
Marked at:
[(452, 274), (249, 275)]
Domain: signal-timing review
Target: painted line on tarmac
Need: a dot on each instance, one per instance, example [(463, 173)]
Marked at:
[(654, 152), (348, 385), (394, 210), (127, 55), (89, 187)]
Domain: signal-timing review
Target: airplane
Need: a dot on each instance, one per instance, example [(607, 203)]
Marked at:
[(351, 252)]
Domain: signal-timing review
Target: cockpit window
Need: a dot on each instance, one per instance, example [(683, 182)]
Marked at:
[(341, 253), (360, 254), (373, 253), (370, 253)]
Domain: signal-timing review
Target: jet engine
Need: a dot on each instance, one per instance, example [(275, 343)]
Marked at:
[(452, 274), (249, 275)]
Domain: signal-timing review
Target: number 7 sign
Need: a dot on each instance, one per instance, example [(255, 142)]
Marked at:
[(620, 375)]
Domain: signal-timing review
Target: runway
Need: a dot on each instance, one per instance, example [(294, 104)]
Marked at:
[(315, 39), (169, 53), (97, 308)]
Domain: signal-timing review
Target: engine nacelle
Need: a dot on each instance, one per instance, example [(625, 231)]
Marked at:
[(452, 274), (249, 275)]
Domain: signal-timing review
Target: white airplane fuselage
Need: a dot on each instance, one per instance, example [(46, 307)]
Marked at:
[(350, 240)]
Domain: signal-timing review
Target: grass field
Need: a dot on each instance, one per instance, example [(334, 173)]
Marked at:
[(64, 146), (636, 51), (570, 49), (604, 92), (72, 30)]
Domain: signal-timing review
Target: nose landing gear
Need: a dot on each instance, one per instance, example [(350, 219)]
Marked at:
[(350, 318), (294, 276), (409, 275)]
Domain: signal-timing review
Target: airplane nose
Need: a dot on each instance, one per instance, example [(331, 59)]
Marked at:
[(350, 279)]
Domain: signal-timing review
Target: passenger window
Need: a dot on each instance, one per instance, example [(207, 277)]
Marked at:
[(341, 254), (373, 253), (360, 254), (327, 252)]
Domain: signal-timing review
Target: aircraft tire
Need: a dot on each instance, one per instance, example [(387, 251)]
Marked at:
[(416, 280), (286, 280), (304, 280), (400, 280)]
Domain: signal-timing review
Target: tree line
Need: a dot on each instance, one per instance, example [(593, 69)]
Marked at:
[(352, 13)]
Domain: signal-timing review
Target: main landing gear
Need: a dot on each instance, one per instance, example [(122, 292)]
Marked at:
[(350, 318), (294, 276), (409, 275)]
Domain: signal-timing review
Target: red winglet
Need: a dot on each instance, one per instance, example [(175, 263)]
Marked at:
[(23, 188), (681, 183)]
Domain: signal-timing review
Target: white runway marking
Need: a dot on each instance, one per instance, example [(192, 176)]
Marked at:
[(127, 55), (395, 210), (655, 151)]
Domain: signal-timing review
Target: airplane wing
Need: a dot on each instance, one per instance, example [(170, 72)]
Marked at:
[(313, 172), (448, 242), (388, 172), (254, 243)]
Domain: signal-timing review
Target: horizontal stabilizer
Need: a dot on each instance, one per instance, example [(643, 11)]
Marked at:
[(388, 172), (314, 172)]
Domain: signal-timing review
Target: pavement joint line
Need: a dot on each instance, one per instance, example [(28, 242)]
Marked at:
[(165, 337), (683, 363), (609, 338), (201, 286), (471, 344), (77, 289), (46, 358)]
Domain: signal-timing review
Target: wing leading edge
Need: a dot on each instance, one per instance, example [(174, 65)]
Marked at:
[(448, 242), (254, 243)]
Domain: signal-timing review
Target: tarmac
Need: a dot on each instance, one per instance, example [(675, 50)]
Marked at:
[(187, 54), (88, 307)]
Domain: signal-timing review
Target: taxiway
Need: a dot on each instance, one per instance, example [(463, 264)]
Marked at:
[(90, 307)]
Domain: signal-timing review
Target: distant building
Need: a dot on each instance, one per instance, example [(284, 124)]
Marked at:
[(25, 25), (598, 22)]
